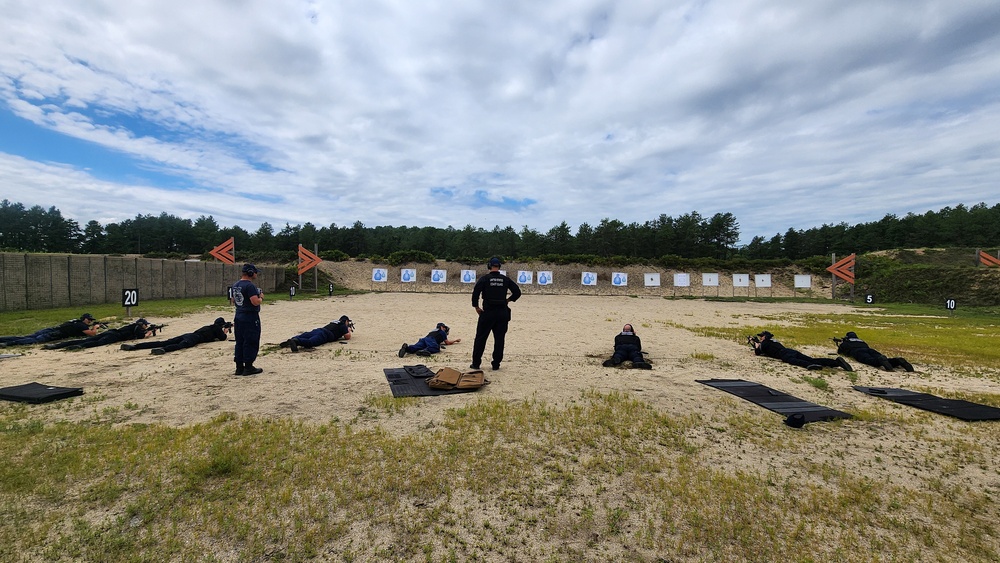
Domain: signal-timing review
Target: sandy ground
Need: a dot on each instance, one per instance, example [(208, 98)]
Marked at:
[(554, 352)]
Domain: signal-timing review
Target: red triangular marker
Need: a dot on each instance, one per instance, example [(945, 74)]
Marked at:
[(988, 260), (308, 260), (842, 269), (225, 251)]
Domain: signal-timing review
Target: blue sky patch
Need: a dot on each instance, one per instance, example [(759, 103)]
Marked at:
[(25, 139), (482, 199)]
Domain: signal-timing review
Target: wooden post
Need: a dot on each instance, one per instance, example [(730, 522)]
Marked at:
[(854, 284), (833, 289)]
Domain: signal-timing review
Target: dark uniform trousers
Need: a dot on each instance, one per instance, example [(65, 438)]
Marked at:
[(493, 320), (869, 356), (247, 332), (796, 358), (174, 344), (628, 352)]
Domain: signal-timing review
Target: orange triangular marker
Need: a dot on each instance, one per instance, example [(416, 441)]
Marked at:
[(843, 269), (225, 251), (988, 260), (308, 260)]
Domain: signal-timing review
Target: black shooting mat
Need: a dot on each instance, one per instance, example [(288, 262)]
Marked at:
[(773, 400), (957, 408), (36, 393), (411, 381)]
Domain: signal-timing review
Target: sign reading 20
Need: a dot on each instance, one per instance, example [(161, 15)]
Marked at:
[(130, 297)]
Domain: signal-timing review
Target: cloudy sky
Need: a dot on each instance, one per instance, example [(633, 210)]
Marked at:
[(419, 112)]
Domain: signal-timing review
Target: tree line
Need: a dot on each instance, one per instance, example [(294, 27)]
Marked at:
[(690, 236)]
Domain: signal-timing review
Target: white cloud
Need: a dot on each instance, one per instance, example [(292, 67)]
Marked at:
[(787, 114)]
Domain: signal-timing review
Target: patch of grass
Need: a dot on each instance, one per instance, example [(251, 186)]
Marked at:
[(763, 299), (962, 340), (817, 382), (28, 321), (604, 476), (497, 480), (937, 340), (390, 404), (703, 356)]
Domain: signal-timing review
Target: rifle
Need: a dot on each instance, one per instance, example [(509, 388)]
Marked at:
[(753, 341), (837, 340), (155, 328)]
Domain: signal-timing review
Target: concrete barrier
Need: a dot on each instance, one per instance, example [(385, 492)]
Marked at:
[(45, 281)]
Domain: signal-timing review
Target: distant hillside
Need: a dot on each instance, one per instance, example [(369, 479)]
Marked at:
[(945, 257), (928, 275)]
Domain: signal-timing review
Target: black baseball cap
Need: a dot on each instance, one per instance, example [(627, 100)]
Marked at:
[(250, 269), (494, 262), (87, 316), (765, 334), (851, 335), (220, 321)]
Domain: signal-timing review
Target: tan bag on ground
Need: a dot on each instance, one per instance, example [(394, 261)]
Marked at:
[(472, 380), (448, 378), (445, 378)]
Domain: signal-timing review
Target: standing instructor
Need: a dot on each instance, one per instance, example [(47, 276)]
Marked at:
[(246, 322), (494, 315)]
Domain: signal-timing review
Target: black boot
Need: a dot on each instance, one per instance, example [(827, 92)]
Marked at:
[(843, 364), (249, 369), (239, 369)]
